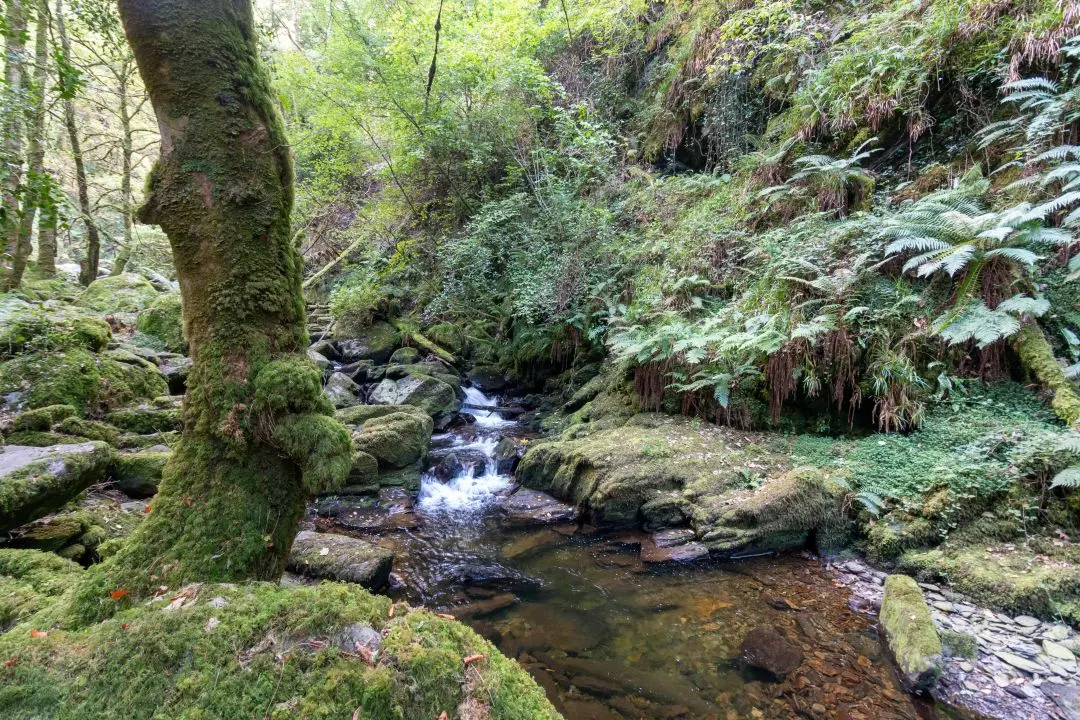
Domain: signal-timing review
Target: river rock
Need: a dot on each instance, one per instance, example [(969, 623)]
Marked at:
[(686, 552), (448, 468), (36, 481), (396, 440), (487, 378), (670, 538), (506, 456), (909, 633), (377, 343), (337, 557), (405, 356), (343, 392), (433, 396), (768, 650), (321, 361), (123, 293), (532, 507)]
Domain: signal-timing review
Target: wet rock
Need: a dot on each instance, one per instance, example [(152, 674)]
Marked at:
[(487, 378), (405, 356), (326, 349), (482, 608), (449, 467), (321, 361), (338, 557), (687, 552), (670, 538), (530, 543), (909, 633), (768, 650), (396, 441), (531, 507), (36, 481), (506, 456), (343, 392), (657, 687), (358, 638), (597, 686)]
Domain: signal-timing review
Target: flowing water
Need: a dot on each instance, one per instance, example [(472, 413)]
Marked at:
[(607, 636)]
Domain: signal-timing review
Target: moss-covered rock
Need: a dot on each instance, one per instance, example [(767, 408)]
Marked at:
[(138, 474), (163, 319), (430, 394), (127, 292), (42, 418), (89, 429), (40, 438), (342, 391), (362, 413), (337, 557), (405, 356), (216, 651), (395, 441), (909, 633), (147, 418), (376, 343), (364, 473), (36, 481), (29, 579), (25, 328), (89, 382)]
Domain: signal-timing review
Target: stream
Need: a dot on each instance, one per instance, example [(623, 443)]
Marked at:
[(607, 635)]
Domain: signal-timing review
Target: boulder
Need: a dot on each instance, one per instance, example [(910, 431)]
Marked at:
[(176, 370), (127, 292), (89, 382), (405, 356), (531, 507), (88, 429), (163, 320), (320, 360), (506, 456), (487, 378), (908, 631), (337, 557), (395, 441), (24, 327), (432, 395), (377, 343), (768, 650), (343, 392), (148, 418), (29, 580), (37, 481), (448, 468), (41, 419), (364, 473), (138, 474), (360, 414)]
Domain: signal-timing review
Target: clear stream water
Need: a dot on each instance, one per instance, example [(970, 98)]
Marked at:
[(607, 636)]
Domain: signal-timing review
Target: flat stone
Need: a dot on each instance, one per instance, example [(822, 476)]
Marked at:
[(1066, 697), (768, 650), (35, 481), (339, 557), (532, 507), (1027, 621), (686, 552), (1058, 633), (943, 606), (676, 536), (1057, 651), (1021, 663)]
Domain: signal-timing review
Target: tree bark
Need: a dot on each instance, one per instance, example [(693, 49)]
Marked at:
[(89, 270), (36, 183), (258, 433), (13, 111)]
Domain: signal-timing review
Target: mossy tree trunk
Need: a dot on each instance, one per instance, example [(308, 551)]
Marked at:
[(258, 435), (37, 184), (1038, 359)]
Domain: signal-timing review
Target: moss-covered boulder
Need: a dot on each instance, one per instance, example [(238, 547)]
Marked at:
[(138, 474), (376, 343), (260, 650), (163, 319), (42, 418), (396, 441), (90, 382), (909, 633), (37, 481), (147, 418), (89, 429), (363, 477), (127, 292), (430, 394), (29, 580), (405, 356), (25, 327), (360, 414), (327, 556)]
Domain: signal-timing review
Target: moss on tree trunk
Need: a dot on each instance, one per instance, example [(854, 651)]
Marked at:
[(1038, 359), (258, 432)]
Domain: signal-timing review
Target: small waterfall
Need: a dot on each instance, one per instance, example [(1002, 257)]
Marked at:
[(475, 487)]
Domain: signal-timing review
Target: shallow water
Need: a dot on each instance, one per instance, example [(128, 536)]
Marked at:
[(610, 637)]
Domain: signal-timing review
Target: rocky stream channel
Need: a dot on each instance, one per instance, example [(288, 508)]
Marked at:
[(617, 623)]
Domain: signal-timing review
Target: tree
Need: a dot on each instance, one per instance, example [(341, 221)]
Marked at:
[(12, 122), (258, 434)]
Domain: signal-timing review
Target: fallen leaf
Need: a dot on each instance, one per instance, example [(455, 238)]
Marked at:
[(445, 616), (146, 509), (473, 658), (39, 633), (117, 594), (10, 661)]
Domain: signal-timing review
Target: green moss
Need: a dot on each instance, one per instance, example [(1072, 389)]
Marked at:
[(88, 382), (31, 438), (959, 644), (1038, 358), (320, 445), (29, 579), (146, 419), (163, 319), (139, 474), (360, 414), (30, 328), (42, 418), (89, 429), (258, 650), (40, 480), (396, 440), (896, 532), (909, 632), (127, 292)]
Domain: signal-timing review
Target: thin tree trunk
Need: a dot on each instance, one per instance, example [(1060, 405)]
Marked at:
[(126, 152), (258, 433), (89, 271), (14, 109), (36, 184), (46, 253), (1038, 359)]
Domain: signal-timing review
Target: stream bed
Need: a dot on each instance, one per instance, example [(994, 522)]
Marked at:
[(606, 634)]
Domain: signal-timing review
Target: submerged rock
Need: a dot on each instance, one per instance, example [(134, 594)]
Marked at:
[(337, 557), (909, 633), (36, 481), (768, 650), (531, 507)]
